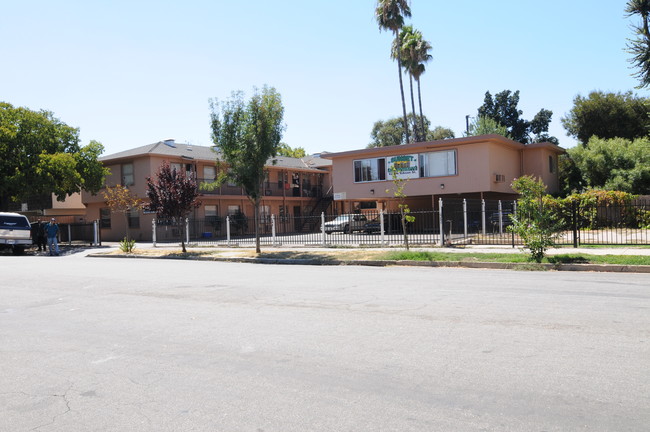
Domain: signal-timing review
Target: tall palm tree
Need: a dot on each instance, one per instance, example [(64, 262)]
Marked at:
[(404, 48), (422, 56), (414, 52), (390, 16)]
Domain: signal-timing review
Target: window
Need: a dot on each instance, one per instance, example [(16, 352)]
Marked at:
[(133, 217), (210, 210), (366, 170), (233, 210), (265, 214), (438, 164), (284, 213), (282, 180), (127, 174), (368, 205), (105, 217), (209, 173), (211, 216), (175, 167), (551, 164)]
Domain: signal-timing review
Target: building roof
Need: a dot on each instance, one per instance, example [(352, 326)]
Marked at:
[(165, 148), (187, 151), (430, 145)]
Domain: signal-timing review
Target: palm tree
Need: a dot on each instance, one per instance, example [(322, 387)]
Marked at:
[(640, 47), (403, 49), (415, 53), (390, 16)]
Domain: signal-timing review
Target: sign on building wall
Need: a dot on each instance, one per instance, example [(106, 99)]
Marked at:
[(404, 166), (339, 196)]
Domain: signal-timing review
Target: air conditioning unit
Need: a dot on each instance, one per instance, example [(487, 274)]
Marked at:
[(499, 178)]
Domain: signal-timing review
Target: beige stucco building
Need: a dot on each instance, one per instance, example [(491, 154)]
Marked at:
[(472, 167), (293, 187)]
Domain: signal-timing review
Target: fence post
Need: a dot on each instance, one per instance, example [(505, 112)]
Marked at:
[(483, 216), (514, 213), (381, 227), (574, 223), (273, 230), (465, 217), (500, 218), (228, 230), (187, 230), (95, 233), (153, 231), (441, 222), (322, 227)]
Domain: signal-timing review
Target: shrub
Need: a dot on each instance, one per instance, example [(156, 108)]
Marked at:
[(534, 222), (127, 245)]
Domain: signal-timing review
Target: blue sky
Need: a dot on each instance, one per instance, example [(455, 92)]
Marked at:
[(130, 73)]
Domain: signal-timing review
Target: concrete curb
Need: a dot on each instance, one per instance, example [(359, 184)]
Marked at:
[(381, 263)]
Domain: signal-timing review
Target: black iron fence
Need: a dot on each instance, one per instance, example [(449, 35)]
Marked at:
[(71, 232), (480, 222)]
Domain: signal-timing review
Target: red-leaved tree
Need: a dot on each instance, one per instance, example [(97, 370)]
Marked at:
[(172, 196)]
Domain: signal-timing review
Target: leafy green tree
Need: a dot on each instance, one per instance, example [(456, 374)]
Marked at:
[(503, 109), (439, 133), (569, 175), (42, 155), (173, 195), (404, 210), (390, 132), (639, 47), (613, 164), (390, 16), (482, 125), (414, 53), (534, 222), (121, 200), (286, 150), (608, 115), (246, 135)]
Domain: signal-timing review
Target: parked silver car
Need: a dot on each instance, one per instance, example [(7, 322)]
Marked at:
[(346, 223), (14, 232)]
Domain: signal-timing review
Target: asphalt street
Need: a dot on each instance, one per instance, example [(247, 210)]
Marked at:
[(98, 344)]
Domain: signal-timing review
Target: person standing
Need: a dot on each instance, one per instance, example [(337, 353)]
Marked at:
[(52, 230), (38, 235), (41, 237)]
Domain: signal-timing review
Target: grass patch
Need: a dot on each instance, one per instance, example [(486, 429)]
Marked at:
[(516, 258), (601, 259), (442, 256), (395, 255)]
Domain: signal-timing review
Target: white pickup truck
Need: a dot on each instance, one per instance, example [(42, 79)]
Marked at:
[(14, 232)]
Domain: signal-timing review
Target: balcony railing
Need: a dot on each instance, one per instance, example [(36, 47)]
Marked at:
[(268, 189)]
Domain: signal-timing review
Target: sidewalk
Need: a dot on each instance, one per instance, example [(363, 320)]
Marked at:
[(618, 250)]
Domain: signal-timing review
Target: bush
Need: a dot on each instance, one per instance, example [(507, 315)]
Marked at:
[(127, 245), (534, 222)]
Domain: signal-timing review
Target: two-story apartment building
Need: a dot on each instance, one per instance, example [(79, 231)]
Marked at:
[(472, 167), (293, 187)]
